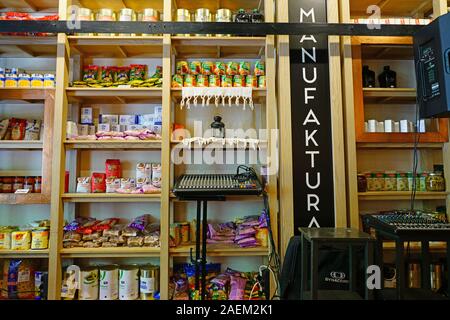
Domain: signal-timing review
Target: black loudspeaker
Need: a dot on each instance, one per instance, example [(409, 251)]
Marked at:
[(432, 60)]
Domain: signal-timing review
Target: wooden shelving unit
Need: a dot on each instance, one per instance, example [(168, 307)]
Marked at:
[(27, 47), (400, 195), (21, 145), (26, 254), (83, 49), (398, 8)]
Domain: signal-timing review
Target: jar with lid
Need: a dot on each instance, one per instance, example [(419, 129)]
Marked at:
[(402, 181), (203, 15), (435, 182), (106, 14), (29, 184), (126, 14), (83, 14), (183, 15), (423, 181), (362, 183), (7, 184), (224, 15), (18, 184), (390, 181), (38, 184), (218, 128)]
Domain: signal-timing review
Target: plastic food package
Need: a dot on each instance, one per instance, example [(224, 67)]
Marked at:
[(113, 168), (127, 183), (105, 224), (112, 185), (32, 130), (123, 74), (87, 227), (144, 170), (138, 71), (4, 124), (17, 128), (108, 74), (135, 241), (244, 68), (92, 236), (84, 185), (98, 183), (182, 67), (91, 244), (19, 279), (219, 68), (5, 239), (139, 223), (72, 236), (156, 175), (237, 287), (129, 232), (114, 231), (21, 240), (260, 69), (75, 224), (232, 68), (39, 239), (91, 73)]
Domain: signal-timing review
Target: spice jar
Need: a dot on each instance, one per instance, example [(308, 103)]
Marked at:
[(423, 181), (38, 185), (390, 181), (362, 183), (402, 182), (435, 182), (105, 14), (378, 181), (18, 184), (7, 184), (29, 184)]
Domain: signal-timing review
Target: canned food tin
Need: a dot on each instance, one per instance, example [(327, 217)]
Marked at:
[(185, 231), (261, 81), (183, 15), (190, 81), (203, 15), (175, 233), (238, 81), (149, 14), (24, 80), (126, 14), (37, 80), (109, 282), (202, 81), (214, 80), (226, 81), (88, 283), (2, 80), (251, 81), (224, 15), (105, 14), (49, 80), (129, 282), (11, 81), (84, 14), (148, 282)]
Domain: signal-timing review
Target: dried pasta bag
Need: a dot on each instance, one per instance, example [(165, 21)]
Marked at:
[(139, 223), (112, 185), (91, 236), (4, 124), (98, 183), (33, 130), (75, 224), (84, 185), (105, 224), (113, 168), (114, 231), (135, 241), (87, 228), (20, 279), (17, 128), (156, 175), (72, 236)]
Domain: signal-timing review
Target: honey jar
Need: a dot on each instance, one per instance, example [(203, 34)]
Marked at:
[(29, 183), (7, 184), (18, 184), (38, 185)]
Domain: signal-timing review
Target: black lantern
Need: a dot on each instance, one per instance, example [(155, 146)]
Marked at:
[(218, 127)]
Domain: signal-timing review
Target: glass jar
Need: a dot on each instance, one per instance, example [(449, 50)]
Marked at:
[(18, 184), (435, 182), (390, 181), (29, 184), (368, 77), (411, 182), (38, 185), (84, 14), (256, 16), (218, 128), (378, 183), (7, 184), (423, 181), (402, 181), (388, 78), (362, 183)]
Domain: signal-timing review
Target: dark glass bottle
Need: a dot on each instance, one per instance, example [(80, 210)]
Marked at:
[(257, 17), (362, 183), (242, 16), (388, 78), (218, 127), (368, 77)]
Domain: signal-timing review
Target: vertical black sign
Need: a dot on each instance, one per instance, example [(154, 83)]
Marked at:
[(311, 119)]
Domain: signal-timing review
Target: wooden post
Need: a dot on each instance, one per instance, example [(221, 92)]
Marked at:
[(349, 121), (337, 122)]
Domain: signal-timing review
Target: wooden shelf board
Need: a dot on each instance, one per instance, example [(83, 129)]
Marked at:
[(25, 145), (119, 252), (117, 46), (387, 52), (221, 250), (228, 198), (258, 94), (114, 95), (375, 145), (233, 5), (218, 47), (13, 254), (397, 8), (179, 144), (416, 246), (389, 95), (20, 173), (34, 5), (400, 138), (31, 95), (110, 197), (109, 144), (30, 198), (27, 46), (119, 4), (400, 195)]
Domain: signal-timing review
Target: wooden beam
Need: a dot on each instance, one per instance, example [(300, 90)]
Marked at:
[(421, 9), (28, 52), (121, 100), (30, 5), (122, 52), (383, 52), (383, 3)]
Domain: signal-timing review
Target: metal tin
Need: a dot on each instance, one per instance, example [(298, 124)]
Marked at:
[(126, 14), (84, 14), (105, 14), (149, 14), (109, 282), (203, 15), (224, 15), (148, 281), (436, 277), (183, 15), (88, 283), (175, 227), (184, 231), (129, 282), (261, 81)]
